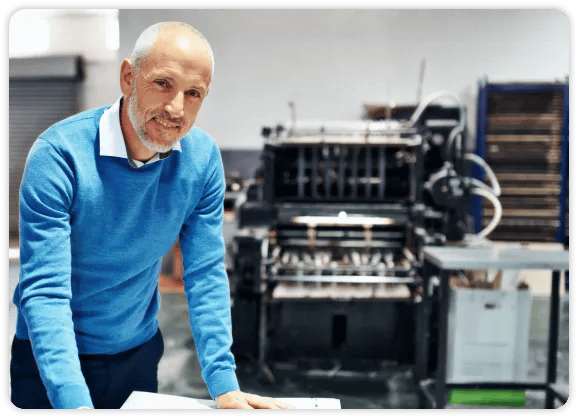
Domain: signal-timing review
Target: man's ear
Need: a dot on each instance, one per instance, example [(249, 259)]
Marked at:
[(126, 77)]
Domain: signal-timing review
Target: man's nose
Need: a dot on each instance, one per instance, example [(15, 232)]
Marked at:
[(176, 106)]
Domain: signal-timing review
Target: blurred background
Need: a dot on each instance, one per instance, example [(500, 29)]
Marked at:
[(275, 66)]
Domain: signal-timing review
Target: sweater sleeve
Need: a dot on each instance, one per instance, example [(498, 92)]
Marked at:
[(46, 194), (207, 285)]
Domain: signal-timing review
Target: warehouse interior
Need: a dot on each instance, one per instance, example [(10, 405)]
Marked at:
[(397, 193)]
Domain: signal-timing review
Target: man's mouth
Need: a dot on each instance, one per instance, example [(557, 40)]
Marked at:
[(166, 124)]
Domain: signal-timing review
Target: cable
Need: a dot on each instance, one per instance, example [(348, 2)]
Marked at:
[(426, 102), (444, 172), (481, 162), (480, 184), (453, 134), (497, 213)]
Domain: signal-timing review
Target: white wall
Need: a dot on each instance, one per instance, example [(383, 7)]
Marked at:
[(331, 62), (328, 62)]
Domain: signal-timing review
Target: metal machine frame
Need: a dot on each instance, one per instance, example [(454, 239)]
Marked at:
[(348, 203)]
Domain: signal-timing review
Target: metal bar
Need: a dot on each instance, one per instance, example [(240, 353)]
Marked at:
[(422, 340), (351, 139), (301, 173), (354, 172), (327, 179), (368, 173), (498, 385), (418, 170), (381, 189), (281, 234), (413, 180), (262, 360), (562, 397), (388, 138), (341, 177), (343, 271), (513, 88), (553, 337), (476, 201), (337, 243), (441, 392), (314, 191), (344, 279), (424, 390)]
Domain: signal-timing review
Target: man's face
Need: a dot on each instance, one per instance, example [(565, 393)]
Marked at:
[(166, 96)]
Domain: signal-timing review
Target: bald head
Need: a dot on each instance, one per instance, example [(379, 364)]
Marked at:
[(168, 37)]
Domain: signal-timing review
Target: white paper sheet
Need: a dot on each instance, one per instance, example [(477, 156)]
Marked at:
[(146, 400)]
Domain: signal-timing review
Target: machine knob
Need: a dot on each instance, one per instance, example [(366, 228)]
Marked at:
[(266, 131)]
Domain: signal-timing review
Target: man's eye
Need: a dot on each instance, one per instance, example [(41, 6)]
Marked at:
[(194, 93), (162, 83)]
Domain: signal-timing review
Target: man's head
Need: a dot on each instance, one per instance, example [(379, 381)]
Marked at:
[(164, 83)]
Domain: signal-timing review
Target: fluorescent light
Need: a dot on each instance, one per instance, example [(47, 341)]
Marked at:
[(342, 220), (112, 33)]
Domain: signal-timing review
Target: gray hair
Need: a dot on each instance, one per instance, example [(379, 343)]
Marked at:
[(145, 41)]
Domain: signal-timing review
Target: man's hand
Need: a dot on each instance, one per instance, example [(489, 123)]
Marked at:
[(241, 400)]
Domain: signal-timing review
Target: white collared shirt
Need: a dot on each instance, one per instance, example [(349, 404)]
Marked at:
[(112, 141)]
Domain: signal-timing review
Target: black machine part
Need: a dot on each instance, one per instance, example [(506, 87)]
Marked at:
[(447, 188)]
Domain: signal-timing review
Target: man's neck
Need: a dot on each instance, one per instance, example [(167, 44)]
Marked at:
[(133, 143)]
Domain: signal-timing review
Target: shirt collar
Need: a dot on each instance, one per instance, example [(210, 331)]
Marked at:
[(112, 141)]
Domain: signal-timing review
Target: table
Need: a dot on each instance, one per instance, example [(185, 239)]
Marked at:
[(439, 262)]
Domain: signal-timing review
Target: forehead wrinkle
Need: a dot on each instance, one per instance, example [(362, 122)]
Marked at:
[(184, 62)]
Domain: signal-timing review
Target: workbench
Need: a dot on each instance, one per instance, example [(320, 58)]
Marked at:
[(439, 262)]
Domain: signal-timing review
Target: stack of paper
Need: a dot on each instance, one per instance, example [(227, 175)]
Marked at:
[(147, 400)]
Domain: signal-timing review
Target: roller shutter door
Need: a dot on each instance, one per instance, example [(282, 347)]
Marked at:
[(42, 91)]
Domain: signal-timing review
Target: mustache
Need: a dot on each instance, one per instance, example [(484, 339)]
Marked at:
[(164, 115)]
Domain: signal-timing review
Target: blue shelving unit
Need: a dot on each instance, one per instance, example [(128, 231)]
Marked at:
[(485, 90)]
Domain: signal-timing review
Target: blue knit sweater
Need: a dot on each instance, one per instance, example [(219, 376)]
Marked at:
[(93, 231)]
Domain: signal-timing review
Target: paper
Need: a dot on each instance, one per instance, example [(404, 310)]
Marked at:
[(147, 400), (313, 403)]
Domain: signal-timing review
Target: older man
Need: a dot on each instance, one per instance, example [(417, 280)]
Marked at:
[(104, 195)]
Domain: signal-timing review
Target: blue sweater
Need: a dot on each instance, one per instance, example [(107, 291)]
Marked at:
[(93, 231)]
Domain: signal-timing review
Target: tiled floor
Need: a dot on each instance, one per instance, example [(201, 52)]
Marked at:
[(179, 371)]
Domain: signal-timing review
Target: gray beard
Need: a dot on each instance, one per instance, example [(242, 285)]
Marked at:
[(140, 128)]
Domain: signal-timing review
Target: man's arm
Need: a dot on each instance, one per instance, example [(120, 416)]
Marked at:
[(46, 195), (207, 285), (207, 291)]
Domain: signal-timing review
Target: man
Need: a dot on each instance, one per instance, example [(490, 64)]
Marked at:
[(104, 195)]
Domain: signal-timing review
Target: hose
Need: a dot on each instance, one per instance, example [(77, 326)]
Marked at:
[(426, 102), (481, 162), (497, 213), (480, 184), (453, 134)]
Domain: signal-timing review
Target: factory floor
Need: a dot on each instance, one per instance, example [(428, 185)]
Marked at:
[(179, 371)]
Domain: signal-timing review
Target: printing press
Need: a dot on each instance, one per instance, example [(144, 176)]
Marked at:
[(328, 255)]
